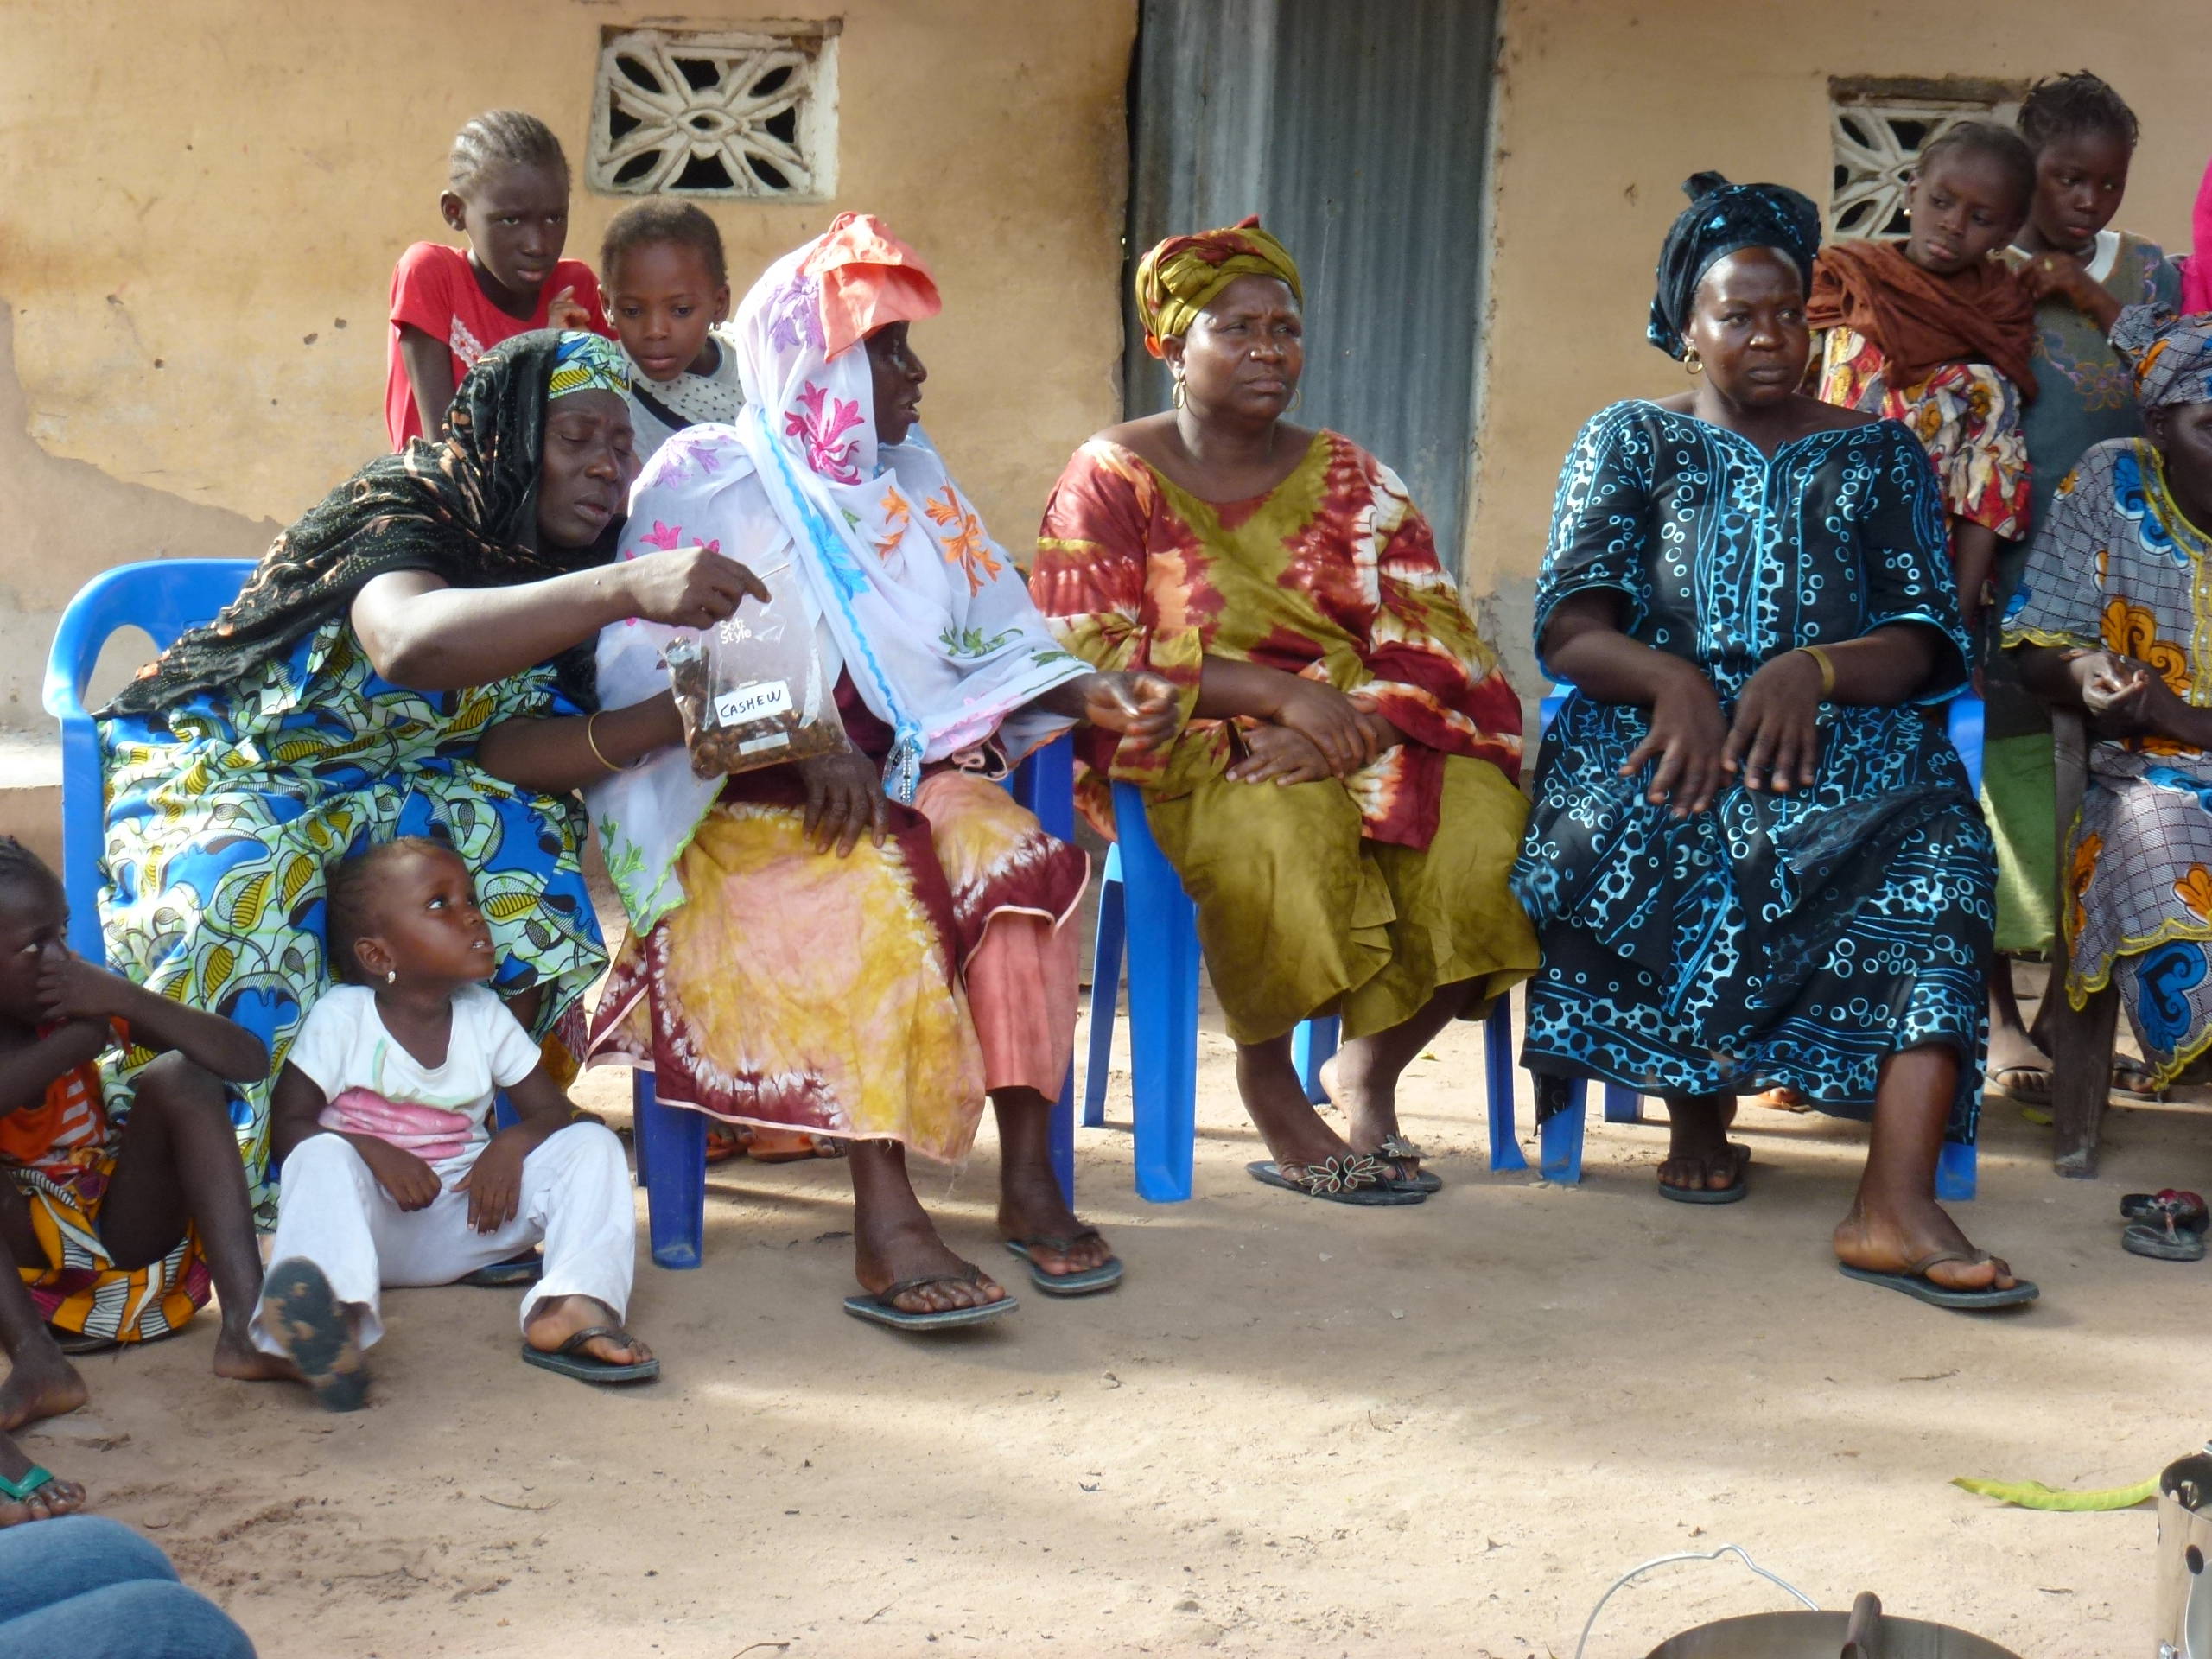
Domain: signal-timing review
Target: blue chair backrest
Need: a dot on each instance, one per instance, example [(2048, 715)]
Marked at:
[(164, 597)]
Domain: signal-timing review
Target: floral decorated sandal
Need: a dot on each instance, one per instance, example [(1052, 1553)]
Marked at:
[(1358, 1178), (1400, 1160)]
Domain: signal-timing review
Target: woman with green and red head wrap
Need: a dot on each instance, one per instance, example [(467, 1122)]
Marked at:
[(1339, 797), (339, 701)]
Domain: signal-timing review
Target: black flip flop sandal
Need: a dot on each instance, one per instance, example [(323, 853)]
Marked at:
[(2188, 1209), (525, 1269), (1357, 1180), (78, 1344), (1913, 1282), (1735, 1192), (1089, 1282), (569, 1359), (883, 1308), (2162, 1241), (302, 1315)]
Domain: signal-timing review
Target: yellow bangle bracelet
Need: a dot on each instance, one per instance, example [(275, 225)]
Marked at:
[(597, 753), (1827, 669)]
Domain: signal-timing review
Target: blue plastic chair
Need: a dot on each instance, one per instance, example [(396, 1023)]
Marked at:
[(1560, 1139), (1142, 908), (164, 597), (672, 1140)]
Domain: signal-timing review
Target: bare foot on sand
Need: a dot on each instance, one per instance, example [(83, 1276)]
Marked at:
[(41, 1383)]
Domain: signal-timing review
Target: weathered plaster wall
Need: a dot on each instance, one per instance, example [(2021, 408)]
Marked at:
[(204, 205), (1606, 105)]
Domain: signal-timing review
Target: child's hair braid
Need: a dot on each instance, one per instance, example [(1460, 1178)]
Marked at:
[(501, 139), (2061, 106)]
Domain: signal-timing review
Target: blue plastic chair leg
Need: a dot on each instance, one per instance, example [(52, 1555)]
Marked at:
[(1105, 990), (1622, 1105), (672, 1161), (1957, 1172), (1966, 720), (1163, 1007), (1498, 1063), (1062, 1139), (1310, 1047), (1559, 1153)]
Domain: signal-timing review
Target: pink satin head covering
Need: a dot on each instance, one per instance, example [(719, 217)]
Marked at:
[(869, 279)]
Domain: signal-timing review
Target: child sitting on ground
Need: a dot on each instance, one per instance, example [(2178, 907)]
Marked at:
[(667, 293), (507, 192), (113, 1228), (380, 1120), (1938, 334)]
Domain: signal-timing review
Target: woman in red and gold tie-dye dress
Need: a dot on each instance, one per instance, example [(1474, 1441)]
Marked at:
[(1340, 800)]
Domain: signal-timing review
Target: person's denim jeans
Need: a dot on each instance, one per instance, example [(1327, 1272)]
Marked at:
[(88, 1587)]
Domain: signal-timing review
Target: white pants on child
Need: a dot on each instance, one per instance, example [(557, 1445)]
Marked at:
[(575, 1198)]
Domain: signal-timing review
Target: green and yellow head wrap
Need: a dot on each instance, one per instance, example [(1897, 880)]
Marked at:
[(1185, 273), (586, 363)]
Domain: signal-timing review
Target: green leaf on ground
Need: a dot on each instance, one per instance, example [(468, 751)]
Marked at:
[(2034, 1495)]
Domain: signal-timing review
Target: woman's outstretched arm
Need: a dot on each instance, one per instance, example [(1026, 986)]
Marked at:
[(423, 633)]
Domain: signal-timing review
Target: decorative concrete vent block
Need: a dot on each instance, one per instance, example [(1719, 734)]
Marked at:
[(725, 112), (1879, 128)]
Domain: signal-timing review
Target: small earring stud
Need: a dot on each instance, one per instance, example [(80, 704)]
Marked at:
[(392, 975)]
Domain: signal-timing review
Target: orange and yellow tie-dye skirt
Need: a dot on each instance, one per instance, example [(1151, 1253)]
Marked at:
[(877, 997)]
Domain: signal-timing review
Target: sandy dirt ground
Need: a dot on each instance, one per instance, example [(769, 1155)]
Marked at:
[(1297, 1429)]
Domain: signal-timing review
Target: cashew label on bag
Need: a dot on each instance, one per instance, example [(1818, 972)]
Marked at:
[(746, 703)]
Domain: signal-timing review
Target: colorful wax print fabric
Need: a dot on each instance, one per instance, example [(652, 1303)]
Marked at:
[(2085, 397), (225, 808), (1966, 417), (1775, 940), (62, 1167), (2118, 568)]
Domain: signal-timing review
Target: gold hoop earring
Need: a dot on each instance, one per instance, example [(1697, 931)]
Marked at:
[(1179, 392), (1693, 362), (1296, 398)]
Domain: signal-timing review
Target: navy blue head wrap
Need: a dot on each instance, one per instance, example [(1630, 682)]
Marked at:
[(1723, 219)]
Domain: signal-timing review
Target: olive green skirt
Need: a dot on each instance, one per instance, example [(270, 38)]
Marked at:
[(1299, 914)]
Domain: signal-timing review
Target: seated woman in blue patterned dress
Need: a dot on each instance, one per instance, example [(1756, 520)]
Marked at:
[(339, 701), (1754, 861)]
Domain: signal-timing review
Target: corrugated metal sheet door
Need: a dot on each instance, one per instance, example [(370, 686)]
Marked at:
[(1356, 129)]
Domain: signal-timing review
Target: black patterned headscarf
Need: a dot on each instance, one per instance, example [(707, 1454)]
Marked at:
[(1724, 219), (463, 509)]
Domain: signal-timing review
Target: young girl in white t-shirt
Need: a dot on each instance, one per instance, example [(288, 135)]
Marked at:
[(381, 1118)]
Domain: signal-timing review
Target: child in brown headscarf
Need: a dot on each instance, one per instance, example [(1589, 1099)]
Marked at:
[(1938, 334)]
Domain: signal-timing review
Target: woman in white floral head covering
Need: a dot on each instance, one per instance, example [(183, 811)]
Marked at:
[(867, 945)]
